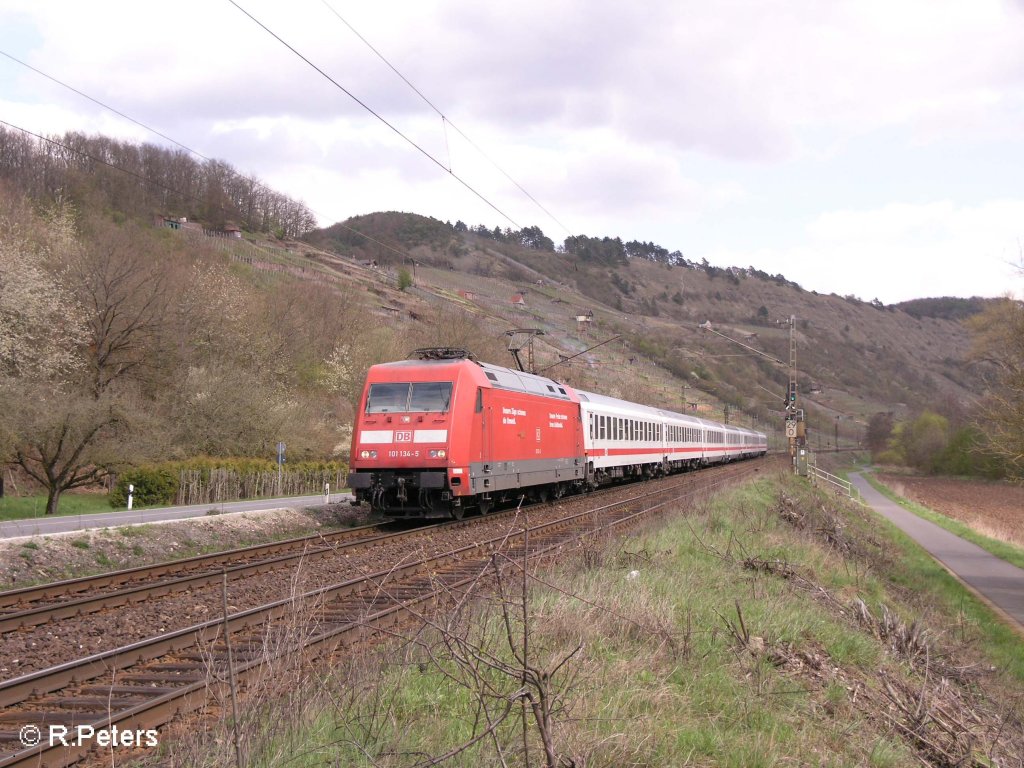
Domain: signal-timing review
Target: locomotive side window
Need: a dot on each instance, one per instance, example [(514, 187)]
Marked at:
[(387, 398)]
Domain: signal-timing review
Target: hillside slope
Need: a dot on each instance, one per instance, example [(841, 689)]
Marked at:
[(855, 357)]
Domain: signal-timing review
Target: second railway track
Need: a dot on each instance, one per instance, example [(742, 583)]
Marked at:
[(146, 684)]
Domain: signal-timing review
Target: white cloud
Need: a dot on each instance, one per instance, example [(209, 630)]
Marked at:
[(683, 122), (903, 251)]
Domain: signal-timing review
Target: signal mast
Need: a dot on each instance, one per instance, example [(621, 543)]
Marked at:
[(796, 430)]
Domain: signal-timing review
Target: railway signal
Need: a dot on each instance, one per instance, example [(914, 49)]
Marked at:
[(796, 431)]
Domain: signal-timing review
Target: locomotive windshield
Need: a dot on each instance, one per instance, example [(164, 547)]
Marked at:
[(421, 396)]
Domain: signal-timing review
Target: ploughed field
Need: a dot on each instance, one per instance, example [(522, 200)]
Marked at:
[(991, 508)]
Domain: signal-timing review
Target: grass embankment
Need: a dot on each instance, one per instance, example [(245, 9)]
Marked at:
[(1002, 549), (770, 626), (28, 507), (31, 507)]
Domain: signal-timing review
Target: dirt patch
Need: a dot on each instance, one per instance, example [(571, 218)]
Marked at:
[(990, 508), (55, 557)]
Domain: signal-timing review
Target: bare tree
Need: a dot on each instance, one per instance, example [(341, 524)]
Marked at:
[(65, 440), (999, 344), (123, 287)]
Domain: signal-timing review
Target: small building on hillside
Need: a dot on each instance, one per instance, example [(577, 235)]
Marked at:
[(518, 301)]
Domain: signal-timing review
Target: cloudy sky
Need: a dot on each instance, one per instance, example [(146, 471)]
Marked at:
[(873, 148)]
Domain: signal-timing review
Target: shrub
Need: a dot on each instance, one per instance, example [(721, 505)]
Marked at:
[(153, 485), (404, 279)]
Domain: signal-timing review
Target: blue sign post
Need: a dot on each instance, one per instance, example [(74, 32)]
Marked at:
[(280, 461)]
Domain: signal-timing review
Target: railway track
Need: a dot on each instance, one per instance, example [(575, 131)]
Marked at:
[(145, 685), (41, 604), (14, 600)]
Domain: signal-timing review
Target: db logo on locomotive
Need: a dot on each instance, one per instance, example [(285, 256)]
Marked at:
[(403, 437)]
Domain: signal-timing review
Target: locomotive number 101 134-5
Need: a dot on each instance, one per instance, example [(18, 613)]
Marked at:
[(404, 453)]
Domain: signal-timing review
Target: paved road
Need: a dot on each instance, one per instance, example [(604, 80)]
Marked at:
[(41, 525), (996, 579)]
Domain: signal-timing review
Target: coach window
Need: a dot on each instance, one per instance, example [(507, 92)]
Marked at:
[(601, 426), (590, 417)]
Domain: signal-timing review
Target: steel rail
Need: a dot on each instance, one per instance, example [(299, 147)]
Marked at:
[(348, 610), (42, 614), (57, 589)]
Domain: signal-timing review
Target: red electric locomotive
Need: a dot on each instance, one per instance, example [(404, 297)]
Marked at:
[(442, 433)]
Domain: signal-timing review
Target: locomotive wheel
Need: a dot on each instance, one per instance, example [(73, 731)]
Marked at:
[(485, 506)]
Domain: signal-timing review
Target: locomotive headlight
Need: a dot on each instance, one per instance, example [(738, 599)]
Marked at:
[(441, 453), (367, 454), (437, 453)]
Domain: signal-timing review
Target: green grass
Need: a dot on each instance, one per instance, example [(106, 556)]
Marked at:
[(661, 678), (920, 574), (30, 507), (1001, 549), (22, 507)]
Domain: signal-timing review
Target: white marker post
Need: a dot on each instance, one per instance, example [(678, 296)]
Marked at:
[(131, 490), (327, 493)]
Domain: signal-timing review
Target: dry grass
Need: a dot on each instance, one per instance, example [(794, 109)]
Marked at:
[(731, 637)]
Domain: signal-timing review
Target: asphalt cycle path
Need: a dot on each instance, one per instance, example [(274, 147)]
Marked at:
[(993, 578), (40, 526)]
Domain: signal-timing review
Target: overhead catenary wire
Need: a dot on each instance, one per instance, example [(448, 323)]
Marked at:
[(369, 109), (164, 187), (99, 160), (164, 136), (96, 101), (445, 120)]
